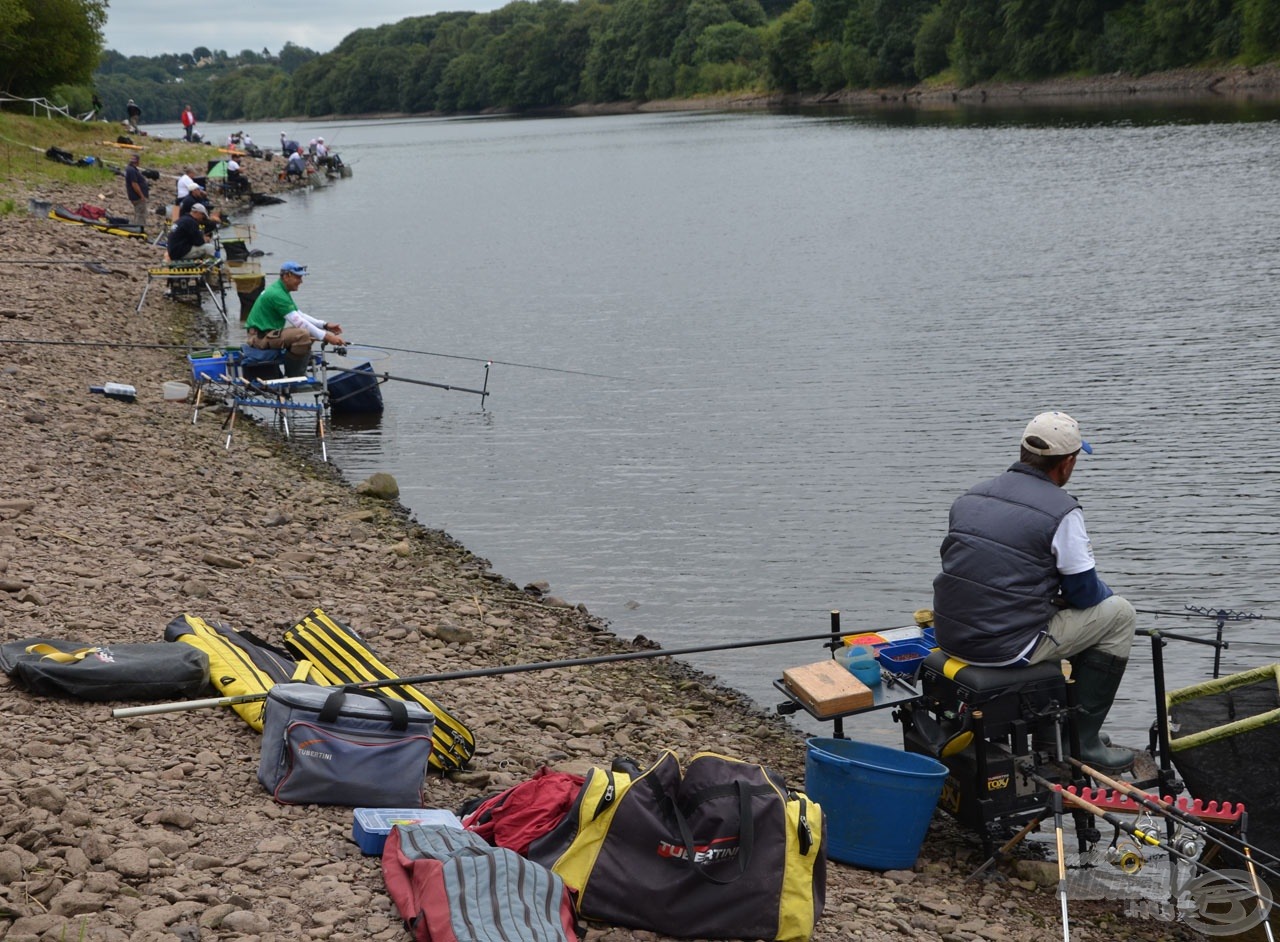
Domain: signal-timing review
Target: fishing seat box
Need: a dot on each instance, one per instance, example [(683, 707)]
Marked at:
[(827, 689), (1018, 705), (1005, 695)]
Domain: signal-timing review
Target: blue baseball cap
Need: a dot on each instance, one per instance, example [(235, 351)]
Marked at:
[(293, 268)]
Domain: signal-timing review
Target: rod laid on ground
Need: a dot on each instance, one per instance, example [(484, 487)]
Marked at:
[(181, 705), (1161, 806)]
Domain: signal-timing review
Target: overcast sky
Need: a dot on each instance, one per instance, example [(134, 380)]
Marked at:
[(154, 27)]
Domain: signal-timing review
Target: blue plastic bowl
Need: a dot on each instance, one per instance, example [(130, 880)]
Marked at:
[(903, 657)]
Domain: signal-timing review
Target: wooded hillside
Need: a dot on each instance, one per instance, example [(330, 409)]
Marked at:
[(552, 53)]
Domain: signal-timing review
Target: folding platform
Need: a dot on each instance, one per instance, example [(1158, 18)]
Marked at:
[(189, 281)]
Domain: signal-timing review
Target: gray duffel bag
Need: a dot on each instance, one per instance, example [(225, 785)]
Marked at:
[(344, 746)]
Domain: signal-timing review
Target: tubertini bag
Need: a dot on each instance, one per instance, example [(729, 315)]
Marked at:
[(343, 746), (722, 850), (341, 657)]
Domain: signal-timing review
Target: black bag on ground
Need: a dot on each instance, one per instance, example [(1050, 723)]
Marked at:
[(148, 671), (344, 746), (721, 850)]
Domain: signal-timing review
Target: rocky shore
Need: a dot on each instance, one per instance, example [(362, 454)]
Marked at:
[(116, 517), (1188, 85)]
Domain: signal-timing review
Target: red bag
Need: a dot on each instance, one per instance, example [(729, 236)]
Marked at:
[(89, 211), (515, 818)]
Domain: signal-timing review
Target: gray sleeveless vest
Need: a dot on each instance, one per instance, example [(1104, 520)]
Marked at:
[(999, 578)]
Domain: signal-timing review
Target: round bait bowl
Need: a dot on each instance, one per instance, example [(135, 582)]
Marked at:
[(176, 392)]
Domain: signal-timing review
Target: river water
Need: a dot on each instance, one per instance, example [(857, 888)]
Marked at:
[(815, 330)]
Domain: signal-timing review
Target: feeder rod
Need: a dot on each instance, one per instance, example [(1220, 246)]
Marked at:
[(418, 382), (1062, 863), (1141, 836), (179, 706), (1170, 810), (1257, 891)]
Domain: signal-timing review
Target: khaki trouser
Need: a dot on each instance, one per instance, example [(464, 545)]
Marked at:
[(140, 213), (294, 339), (1107, 626)]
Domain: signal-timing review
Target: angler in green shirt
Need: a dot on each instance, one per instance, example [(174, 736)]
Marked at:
[(275, 323)]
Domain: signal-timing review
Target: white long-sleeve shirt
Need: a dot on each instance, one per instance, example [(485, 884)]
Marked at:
[(312, 325)]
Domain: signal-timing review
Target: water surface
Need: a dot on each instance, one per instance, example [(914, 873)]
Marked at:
[(825, 327)]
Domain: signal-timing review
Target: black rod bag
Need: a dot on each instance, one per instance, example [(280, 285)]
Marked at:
[(147, 671)]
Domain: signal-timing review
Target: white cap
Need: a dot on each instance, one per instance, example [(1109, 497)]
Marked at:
[(1054, 433)]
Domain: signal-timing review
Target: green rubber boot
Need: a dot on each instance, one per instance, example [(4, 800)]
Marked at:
[(1097, 678)]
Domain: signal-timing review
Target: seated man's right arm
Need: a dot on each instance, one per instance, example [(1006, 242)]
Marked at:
[(1081, 587), (1084, 589)]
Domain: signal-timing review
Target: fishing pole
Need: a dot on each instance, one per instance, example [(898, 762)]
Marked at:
[(1168, 809), (1062, 864), (102, 343), (1220, 616), (417, 382), (179, 706), (527, 366), (1257, 891), (72, 261), (1197, 612), (1137, 833), (277, 238)]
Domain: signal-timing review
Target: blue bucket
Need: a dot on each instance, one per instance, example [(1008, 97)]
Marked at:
[(877, 801)]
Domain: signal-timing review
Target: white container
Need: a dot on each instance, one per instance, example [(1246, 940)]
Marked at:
[(176, 392)]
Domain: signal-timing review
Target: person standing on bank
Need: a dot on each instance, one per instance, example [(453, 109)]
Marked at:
[(188, 122), (135, 115), (275, 323), (137, 189), (1019, 584)]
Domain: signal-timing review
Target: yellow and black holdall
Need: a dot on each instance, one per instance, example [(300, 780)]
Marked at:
[(721, 850), (342, 657), (240, 663)]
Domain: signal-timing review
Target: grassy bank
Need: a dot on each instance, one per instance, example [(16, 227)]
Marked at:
[(24, 168)]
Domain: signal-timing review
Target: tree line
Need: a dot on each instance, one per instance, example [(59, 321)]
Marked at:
[(534, 54), (538, 54)]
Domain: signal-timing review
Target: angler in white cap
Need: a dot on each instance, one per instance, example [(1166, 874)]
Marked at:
[(1019, 584)]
